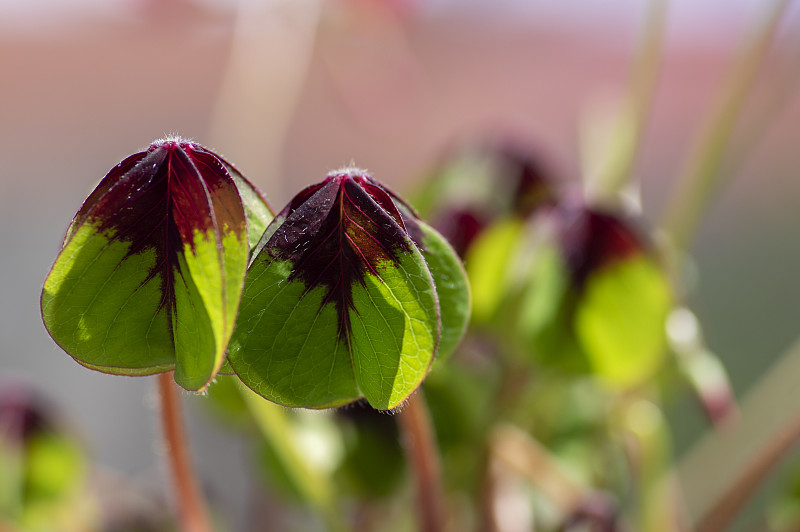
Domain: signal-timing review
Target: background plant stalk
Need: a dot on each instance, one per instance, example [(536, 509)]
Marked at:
[(415, 425)]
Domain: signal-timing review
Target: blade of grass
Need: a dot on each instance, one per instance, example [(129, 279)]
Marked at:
[(768, 423), (616, 167), (701, 172), (724, 510)]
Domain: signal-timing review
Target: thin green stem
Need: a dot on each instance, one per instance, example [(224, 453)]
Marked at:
[(417, 430), (700, 175), (618, 169), (646, 434), (192, 513), (277, 430)]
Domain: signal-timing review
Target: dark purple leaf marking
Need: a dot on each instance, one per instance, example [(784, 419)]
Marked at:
[(528, 179), (336, 232), (590, 239), (23, 414), (460, 226)]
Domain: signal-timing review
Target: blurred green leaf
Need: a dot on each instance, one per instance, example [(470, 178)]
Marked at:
[(489, 264), (56, 467), (225, 400), (620, 320), (543, 313), (11, 479), (292, 469)]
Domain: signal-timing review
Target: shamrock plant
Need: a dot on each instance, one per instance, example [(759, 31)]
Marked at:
[(150, 274), (349, 294), (581, 331)]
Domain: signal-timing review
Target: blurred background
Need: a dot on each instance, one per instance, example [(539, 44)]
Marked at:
[(288, 90)]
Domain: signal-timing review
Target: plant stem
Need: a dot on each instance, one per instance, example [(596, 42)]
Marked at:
[(617, 171), (415, 425), (520, 452), (278, 432), (768, 414), (724, 510), (192, 513), (701, 171), (645, 434)]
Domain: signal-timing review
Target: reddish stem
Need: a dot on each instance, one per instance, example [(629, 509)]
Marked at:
[(725, 509), (192, 513), (415, 425)]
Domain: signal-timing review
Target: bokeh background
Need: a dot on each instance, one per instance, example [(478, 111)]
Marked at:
[(288, 90)]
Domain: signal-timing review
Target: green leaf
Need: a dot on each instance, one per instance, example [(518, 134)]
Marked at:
[(256, 209), (287, 345), (542, 312), (339, 302), (620, 320), (295, 472), (489, 264), (452, 287), (150, 275), (56, 467)]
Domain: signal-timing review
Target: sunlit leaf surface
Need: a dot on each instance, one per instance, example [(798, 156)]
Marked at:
[(150, 274), (340, 302), (620, 321)]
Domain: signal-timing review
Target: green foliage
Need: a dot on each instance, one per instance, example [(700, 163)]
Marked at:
[(452, 289), (620, 321), (150, 274), (341, 302), (44, 484), (490, 265)]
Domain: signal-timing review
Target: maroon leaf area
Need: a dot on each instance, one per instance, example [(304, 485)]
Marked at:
[(158, 199), (335, 233), (22, 414), (590, 239), (528, 178), (460, 226)]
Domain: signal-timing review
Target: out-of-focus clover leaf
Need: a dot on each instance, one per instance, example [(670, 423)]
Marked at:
[(151, 271), (342, 300), (542, 312), (489, 180), (623, 295), (490, 265), (43, 484), (620, 319), (594, 297), (460, 400)]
